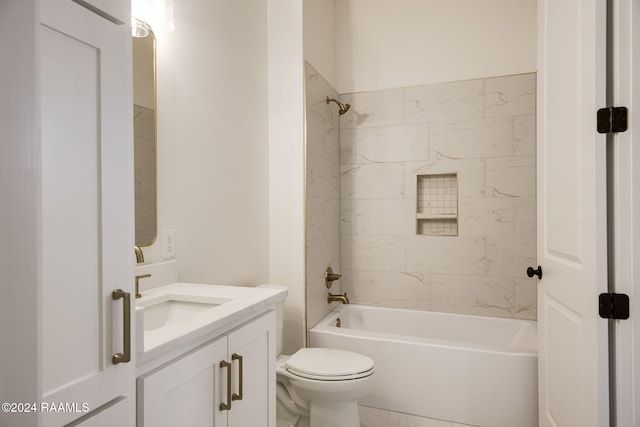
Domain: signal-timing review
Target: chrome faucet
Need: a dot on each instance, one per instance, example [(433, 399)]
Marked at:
[(338, 297), (139, 254), (141, 276)]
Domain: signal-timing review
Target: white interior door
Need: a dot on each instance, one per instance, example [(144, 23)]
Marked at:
[(86, 228), (625, 58), (573, 346)]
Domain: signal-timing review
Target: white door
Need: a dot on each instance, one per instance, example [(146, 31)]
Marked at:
[(626, 154), (86, 244), (573, 346)]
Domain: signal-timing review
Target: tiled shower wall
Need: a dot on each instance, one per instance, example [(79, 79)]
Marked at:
[(323, 193), (482, 130)]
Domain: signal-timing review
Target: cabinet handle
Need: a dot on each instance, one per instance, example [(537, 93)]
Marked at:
[(124, 357), (238, 396), (226, 406)]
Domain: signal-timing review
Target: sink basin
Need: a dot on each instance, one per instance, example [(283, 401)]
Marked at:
[(172, 311), (170, 315)]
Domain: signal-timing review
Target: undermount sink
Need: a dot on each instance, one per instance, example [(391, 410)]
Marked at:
[(172, 311), (172, 316), (167, 316)]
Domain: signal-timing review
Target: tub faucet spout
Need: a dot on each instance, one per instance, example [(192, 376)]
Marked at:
[(338, 297)]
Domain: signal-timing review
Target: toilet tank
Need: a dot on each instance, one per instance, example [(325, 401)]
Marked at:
[(279, 318)]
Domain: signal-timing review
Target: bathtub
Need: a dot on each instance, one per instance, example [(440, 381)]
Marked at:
[(473, 370)]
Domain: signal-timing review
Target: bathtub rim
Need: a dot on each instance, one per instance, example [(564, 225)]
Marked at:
[(325, 326)]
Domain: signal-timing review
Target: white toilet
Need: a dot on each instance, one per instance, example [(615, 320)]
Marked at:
[(321, 385)]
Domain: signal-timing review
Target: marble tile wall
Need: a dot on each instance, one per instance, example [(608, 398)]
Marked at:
[(323, 193), (484, 131)]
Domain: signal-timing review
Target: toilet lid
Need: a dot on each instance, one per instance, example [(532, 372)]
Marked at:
[(329, 363)]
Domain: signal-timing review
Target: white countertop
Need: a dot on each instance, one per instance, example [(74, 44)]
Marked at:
[(238, 304)]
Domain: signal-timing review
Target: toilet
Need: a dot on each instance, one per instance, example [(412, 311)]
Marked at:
[(319, 387)]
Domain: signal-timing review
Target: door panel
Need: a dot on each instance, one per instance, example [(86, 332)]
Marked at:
[(255, 343), (187, 392), (86, 206), (573, 346), (71, 236)]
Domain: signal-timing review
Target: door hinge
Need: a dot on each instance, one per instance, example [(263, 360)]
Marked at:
[(614, 306), (612, 119)]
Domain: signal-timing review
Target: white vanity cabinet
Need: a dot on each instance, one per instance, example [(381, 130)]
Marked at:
[(236, 369), (86, 204)]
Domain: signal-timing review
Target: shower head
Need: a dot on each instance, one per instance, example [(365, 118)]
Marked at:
[(343, 107)]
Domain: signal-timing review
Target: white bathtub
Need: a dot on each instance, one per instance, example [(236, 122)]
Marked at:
[(469, 369)]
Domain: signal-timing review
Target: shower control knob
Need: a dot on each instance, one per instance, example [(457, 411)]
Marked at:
[(537, 272)]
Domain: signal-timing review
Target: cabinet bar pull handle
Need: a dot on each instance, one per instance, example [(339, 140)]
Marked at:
[(238, 396), (226, 406), (124, 357)]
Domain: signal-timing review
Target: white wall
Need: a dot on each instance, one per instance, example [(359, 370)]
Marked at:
[(382, 44), (319, 17), (213, 141), (287, 163)]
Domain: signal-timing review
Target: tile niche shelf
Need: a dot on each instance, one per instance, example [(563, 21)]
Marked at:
[(437, 205)]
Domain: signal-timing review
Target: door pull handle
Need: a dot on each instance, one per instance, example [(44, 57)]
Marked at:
[(226, 406), (238, 396), (125, 356)]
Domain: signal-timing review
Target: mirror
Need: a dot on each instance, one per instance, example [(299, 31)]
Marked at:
[(144, 125)]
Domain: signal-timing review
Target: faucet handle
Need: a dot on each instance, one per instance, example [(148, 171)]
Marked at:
[(330, 277)]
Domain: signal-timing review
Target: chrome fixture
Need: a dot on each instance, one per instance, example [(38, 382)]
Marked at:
[(330, 277), (343, 107), (338, 298), (142, 276), (139, 254)]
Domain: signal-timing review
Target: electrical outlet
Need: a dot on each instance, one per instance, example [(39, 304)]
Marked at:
[(168, 243)]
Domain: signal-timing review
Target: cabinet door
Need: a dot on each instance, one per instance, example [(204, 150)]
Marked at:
[(254, 348), (188, 392), (86, 243), (114, 10), (117, 414)]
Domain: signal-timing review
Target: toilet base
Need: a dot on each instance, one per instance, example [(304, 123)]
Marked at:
[(334, 414)]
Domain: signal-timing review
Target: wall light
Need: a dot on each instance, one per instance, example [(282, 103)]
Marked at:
[(156, 14)]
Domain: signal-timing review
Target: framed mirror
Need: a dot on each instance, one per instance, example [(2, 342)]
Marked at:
[(144, 124)]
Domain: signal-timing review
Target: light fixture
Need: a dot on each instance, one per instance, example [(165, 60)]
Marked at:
[(139, 28), (155, 14)]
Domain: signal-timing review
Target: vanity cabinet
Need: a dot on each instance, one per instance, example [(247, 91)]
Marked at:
[(237, 369), (86, 211)]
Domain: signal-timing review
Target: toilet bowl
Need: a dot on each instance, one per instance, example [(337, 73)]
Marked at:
[(319, 387), (324, 384)]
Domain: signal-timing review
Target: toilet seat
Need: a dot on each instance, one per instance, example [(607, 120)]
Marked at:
[(329, 364)]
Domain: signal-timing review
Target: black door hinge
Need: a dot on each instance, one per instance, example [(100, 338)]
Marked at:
[(614, 306), (612, 119)]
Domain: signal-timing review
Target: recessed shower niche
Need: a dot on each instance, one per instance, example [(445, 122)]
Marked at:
[(437, 205)]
